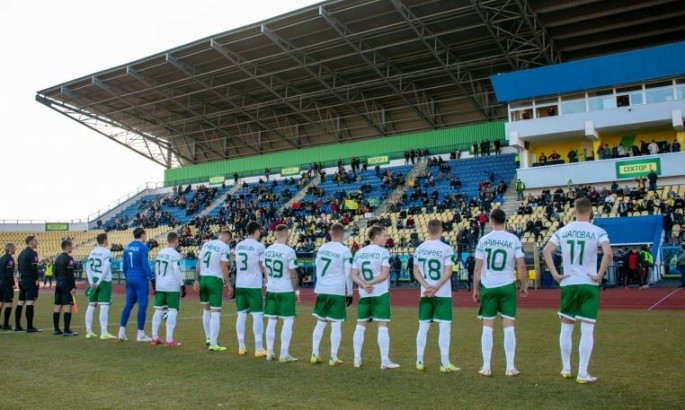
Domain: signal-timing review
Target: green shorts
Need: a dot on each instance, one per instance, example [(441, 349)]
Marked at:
[(102, 295), (330, 307), (579, 302), (281, 304), (374, 308), (167, 300), (435, 309), (500, 300), (211, 291), (249, 300)]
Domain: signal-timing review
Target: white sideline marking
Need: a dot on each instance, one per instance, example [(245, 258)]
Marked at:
[(663, 299)]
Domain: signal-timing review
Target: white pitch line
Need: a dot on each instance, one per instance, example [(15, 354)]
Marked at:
[(663, 299)]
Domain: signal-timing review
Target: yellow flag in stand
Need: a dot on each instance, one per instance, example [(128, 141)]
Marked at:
[(351, 204)]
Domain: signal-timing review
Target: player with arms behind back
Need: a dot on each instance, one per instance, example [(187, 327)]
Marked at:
[(282, 292), (249, 281), (168, 280), (433, 270), (579, 242), (210, 280), (497, 254), (370, 270), (333, 292), (99, 274)]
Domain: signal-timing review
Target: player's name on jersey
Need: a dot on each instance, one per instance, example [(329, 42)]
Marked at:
[(368, 255), (329, 254), (429, 252), (274, 254), (244, 248), (213, 248), (165, 256), (498, 243), (578, 234)]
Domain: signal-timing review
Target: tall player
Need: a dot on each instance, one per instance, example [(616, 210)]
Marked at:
[(168, 280), (136, 267), (579, 242), (370, 270), (333, 292), (64, 289), (248, 288), (99, 274), (433, 270), (495, 288), (282, 292), (27, 263), (211, 279), (7, 283)]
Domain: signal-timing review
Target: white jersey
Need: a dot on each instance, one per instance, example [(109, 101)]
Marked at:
[(432, 257), (579, 242), (499, 251), (278, 260), (211, 255), (168, 277), (370, 261), (333, 263), (99, 265), (249, 256)]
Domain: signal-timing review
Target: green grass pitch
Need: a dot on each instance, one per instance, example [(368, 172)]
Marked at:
[(638, 356)]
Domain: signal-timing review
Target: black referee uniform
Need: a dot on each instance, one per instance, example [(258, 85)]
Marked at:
[(28, 286), (7, 287), (66, 282)]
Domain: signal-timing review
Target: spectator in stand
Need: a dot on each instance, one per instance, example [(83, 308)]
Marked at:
[(482, 218), (517, 159), (680, 265), (406, 157), (542, 160), (675, 147), (396, 268), (498, 146), (520, 187), (572, 155), (653, 148), (554, 156), (668, 222), (475, 154), (652, 177)]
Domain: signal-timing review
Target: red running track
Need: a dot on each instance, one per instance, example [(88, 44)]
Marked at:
[(647, 299)]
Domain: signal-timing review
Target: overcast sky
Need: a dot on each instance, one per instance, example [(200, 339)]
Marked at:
[(52, 167)]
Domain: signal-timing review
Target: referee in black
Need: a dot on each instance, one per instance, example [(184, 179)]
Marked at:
[(7, 283), (65, 288), (28, 284)]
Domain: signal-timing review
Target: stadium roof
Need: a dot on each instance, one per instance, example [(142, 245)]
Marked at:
[(345, 70)]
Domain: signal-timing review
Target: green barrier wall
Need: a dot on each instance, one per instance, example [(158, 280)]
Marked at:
[(437, 141)]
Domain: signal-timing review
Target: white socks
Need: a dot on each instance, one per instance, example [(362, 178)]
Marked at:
[(214, 319), (240, 329), (486, 346), (384, 343), (336, 335), (317, 335), (358, 341), (171, 324), (421, 337), (141, 334), (270, 335), (444, 342), (104, 317), (565, 345), (89, 318), (257, 330), (156, 321), (509, 346), (206, 317), (286, 335), (585, 347)]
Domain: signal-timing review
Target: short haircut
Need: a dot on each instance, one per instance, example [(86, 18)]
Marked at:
[(101, 238), (138, 233), (583, 205), (65, 244), (29, 239), (434, 226), (9, 247), (375, 231), (337, 229), (252, 227), (498, 216), (171, 237), (281, 230), (226, 232)]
